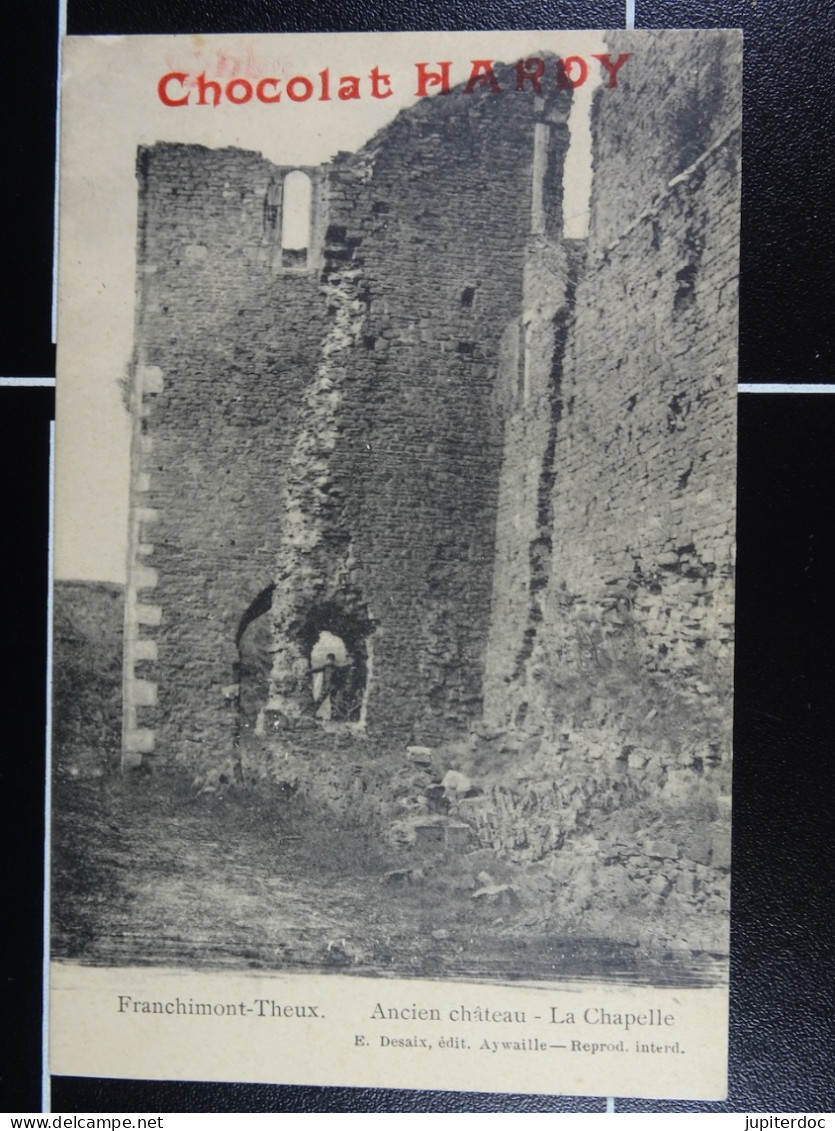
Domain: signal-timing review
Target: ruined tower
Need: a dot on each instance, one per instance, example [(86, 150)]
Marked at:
[(492, 467), (315, 428)]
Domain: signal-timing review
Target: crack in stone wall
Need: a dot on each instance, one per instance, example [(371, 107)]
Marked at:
[(540, 551), (416, 292), (639, 590), (315, 563)]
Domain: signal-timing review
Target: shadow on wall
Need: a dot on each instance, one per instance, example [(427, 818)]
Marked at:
[(254, 665)]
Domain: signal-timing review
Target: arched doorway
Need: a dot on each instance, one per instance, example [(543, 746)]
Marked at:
[(336, 644)]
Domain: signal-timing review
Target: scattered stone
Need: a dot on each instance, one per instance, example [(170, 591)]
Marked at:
[(440, 934), (420, 754), (498, 894), (662, 850), (413, 805), (456, 783), (400, 877), (686, 884), (698, 848), (489, 734), (660, 885), (335, 954)]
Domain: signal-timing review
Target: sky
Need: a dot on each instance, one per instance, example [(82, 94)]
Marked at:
[(110, 106)]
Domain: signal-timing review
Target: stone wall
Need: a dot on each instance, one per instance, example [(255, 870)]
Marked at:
[(633, 612), (396, 463), (327, 424), (227, 336), (498, 464), (610, 716), (527, 405)]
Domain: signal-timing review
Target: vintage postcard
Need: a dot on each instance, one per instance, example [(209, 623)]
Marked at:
[(395, 560)]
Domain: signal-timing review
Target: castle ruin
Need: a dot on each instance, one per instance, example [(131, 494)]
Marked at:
[(497, 465)]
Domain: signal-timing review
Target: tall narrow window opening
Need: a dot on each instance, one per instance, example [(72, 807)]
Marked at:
[(295, 219), (541, 140)]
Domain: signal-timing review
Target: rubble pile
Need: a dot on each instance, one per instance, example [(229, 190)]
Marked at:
[(572, 835)]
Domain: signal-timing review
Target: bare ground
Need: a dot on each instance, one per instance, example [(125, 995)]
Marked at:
[(153, 868), (149, 870)]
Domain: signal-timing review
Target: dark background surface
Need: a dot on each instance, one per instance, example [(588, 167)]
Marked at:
[(782, 1048)]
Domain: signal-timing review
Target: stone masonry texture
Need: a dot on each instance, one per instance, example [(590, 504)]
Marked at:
[(497, 463)]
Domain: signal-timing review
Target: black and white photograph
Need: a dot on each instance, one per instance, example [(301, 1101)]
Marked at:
[(394, 600)]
